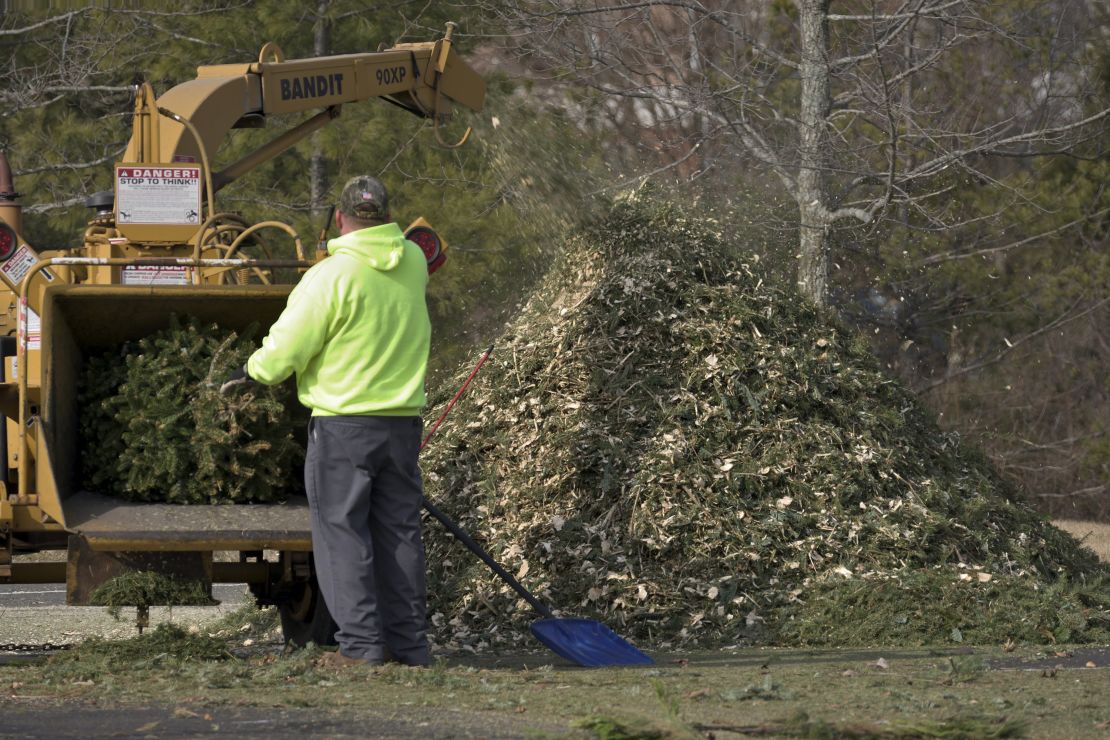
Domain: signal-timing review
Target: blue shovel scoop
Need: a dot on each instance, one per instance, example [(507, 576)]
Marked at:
[(583, 641)]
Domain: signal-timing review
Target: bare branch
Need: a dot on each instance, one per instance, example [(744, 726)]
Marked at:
[(648, 175), (7, 112), (898, 15), (46, 207), (950, 256), (990, 145), (892, 33), (179, 13), (192, 39), (87, 88), (66, 17), (993, 359), (892, 140), (72, 166), (714, 16)]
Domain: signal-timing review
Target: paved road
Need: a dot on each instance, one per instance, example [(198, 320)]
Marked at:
[(36, 614), (23, 594), (54, 594), (264, 723)]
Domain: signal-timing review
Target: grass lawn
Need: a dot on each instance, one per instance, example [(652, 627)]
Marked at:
[(1094, 535), (888, 693)]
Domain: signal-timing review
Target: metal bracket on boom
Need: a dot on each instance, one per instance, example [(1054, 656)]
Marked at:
[(444, 49)]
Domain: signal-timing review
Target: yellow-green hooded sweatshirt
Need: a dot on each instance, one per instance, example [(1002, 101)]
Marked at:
[(355, 329)]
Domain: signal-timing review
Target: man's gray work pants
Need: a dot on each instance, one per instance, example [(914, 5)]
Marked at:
[(365, 495)]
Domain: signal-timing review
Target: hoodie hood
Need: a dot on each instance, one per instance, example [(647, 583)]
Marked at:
[(381, 247)]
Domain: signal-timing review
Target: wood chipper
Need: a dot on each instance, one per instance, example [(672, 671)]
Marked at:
[(158, 246)]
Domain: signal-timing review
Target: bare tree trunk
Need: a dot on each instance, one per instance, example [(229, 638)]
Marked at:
[(813, 270), (317, 173)]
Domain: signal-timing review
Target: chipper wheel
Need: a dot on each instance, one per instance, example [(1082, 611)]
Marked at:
[(305, 617)]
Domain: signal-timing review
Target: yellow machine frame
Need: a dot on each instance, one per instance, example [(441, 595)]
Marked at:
[(78, 298)]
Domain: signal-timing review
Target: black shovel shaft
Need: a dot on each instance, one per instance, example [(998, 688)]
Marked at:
[(474, 547)]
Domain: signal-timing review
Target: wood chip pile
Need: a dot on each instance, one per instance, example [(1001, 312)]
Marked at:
[(665, 442), (154, 427)]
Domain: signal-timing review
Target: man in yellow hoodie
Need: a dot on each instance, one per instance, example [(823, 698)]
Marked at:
[(355, 331)]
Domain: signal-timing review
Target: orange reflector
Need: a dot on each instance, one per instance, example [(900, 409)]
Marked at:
[(430, 244), (8, 241)]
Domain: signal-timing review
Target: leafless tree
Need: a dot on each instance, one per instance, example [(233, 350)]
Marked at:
[(80, 57), (317, 167), (867, 114), (67, 62), (84, 59)]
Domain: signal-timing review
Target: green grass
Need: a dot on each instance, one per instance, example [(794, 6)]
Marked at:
[(935, 607), (888, 693)]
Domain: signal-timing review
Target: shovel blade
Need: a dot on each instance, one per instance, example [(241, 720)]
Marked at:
[(588, 643)]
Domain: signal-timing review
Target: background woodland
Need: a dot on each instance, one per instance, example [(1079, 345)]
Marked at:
[(933, 172)]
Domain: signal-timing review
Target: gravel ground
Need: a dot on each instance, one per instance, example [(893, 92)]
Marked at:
[(37, 614)]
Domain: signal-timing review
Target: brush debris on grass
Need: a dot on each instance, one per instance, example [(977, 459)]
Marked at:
[(666, 442), (154, 426), (908, 694), (167, 644), (186, 652), (166, 641), (144, 589)]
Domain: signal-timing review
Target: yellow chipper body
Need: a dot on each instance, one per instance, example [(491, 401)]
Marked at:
[(157, 246)]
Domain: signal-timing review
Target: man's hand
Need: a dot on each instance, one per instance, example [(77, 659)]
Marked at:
[(237, 379)]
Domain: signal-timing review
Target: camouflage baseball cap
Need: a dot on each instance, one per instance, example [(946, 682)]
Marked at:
[(364, 197)]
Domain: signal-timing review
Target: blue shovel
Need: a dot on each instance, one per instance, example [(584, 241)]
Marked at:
[(583, 641)]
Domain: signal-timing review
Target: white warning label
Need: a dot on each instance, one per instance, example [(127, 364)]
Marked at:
[(16, 267), (155, 275), (157, 195), (30, 325)]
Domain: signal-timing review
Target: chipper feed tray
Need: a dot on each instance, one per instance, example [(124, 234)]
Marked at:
[(79, 321)]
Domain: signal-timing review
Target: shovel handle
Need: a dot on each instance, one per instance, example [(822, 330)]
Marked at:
[(474, 547), (458, 394)]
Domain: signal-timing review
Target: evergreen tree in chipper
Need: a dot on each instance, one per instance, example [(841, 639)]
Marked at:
[(154, 426)]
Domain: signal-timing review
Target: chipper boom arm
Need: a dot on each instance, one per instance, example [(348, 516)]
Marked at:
[(423, 78)]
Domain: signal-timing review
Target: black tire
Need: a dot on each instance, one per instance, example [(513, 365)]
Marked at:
[(305, 618)]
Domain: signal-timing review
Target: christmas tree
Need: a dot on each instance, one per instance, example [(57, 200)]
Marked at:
[(154, 426)]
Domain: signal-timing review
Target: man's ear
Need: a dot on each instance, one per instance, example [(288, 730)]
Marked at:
[(339, 220)]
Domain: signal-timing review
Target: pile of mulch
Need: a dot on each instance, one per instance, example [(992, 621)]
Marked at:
[(154, 426), (668, 443)]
